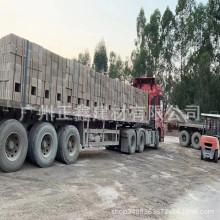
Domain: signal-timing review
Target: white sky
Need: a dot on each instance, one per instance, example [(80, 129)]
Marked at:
[(68, 27)]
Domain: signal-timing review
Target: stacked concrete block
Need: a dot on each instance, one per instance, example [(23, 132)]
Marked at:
[(30, 74)]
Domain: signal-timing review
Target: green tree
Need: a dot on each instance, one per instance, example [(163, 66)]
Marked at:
[(85, 58), (183, 43), (139, 55), (100, 62), (115, 66), (127, 71), (153, 44), (167, 52), (197, 47), (213, 9)]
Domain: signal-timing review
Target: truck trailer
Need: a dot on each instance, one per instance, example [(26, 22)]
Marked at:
[(51, 107), (190, 134)]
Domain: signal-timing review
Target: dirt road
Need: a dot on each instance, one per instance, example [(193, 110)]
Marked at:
[(163, 184)]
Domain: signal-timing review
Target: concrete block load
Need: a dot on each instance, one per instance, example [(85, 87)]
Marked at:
[(31, 75), (51, 107)]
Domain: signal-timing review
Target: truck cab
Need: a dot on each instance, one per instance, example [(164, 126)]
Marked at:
[(156, 103)]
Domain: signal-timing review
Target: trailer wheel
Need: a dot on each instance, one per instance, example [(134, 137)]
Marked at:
[(68, 144), (195, 140), (184, 138), (43, 143), (216, 156), (141, 142), (133, 142), (13, 145)]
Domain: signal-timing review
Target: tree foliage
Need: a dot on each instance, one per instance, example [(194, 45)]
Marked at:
[(118, 68), (139, 55), (85, 58), (182, 50), (100, 62), (115, 66)]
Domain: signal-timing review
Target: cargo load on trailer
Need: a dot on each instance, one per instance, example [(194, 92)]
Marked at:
[(32, 75), (52, 107)]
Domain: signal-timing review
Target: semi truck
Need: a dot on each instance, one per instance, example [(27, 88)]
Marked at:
[(28, 131)]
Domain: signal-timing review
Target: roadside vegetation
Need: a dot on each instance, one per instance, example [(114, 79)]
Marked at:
[(181, 49)]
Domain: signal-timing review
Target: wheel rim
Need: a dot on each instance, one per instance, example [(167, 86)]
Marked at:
[(71, 145), (184, 138), (13, 147), (46, 145), (196, 140)]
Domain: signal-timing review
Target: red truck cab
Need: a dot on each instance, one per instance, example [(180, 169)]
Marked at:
[(156, 102)]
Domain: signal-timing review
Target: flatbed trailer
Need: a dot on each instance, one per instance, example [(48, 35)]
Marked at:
[(51, 107)]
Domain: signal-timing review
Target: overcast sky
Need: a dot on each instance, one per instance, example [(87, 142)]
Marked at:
[(68, 27)]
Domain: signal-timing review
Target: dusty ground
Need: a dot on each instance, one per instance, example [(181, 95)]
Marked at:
[(105, 184)]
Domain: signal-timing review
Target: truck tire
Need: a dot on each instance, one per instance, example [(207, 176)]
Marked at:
[(184, 138), (133, 142), (128, 141), (216, 156), (141, 142), (195, 140), (43, 143), (68, 144), (13, 145), (156, 145), (159, 132)]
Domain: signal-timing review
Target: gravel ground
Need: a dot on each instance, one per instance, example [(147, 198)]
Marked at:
[(163, 184)]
